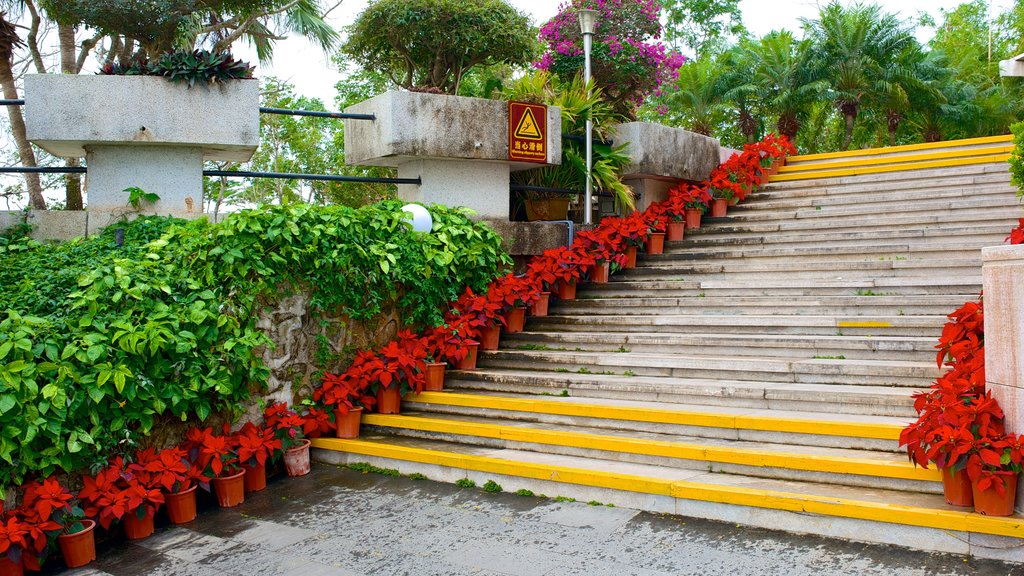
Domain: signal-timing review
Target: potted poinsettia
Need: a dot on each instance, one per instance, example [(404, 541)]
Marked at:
[(172, 471), (695, 199), (514, 294), (483, 316), (217, 456), (606, 246), (117, 495), (347, 394), (27, 530), (994, 467), (256, 445), (673, 209)]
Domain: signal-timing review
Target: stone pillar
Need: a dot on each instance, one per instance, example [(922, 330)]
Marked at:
[(142, 131), (662, 156), (457, 146), (1004, 335)]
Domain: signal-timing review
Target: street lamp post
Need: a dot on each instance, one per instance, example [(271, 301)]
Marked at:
[(588, 18)]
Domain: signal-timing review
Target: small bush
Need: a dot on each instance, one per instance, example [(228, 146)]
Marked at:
[(465, 483), (492, 487)]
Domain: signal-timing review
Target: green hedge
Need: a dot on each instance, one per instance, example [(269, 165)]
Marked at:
[(98, 340), (1017, 158)]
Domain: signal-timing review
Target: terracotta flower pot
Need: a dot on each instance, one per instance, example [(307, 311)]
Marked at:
[(8, 568), (389, 400), (540, 307), (490, 337), (435, 377), (469, 362), (676, 231), (136, 528), (600, 273), (567, 290), (656, 243), (630, 258), (515, 320), (693, 217), (230, 490), (347, 425), (255, 478), (719, 208), (181, 506), (78, 549), (990, 503), (296, 460), (957, 488)]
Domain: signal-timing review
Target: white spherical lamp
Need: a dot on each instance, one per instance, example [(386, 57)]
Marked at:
[(419, 218)]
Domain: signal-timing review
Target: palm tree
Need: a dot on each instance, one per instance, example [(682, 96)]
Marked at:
[(785, 80), (854, 47), (699, 98), (740, 91)]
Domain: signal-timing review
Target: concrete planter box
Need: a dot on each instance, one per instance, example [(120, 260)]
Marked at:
[(66, 114), (141, 131), (457, 146), (663, 156)]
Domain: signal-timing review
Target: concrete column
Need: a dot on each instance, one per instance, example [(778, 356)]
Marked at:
[(173, 173), (649, 190), (480, 186), (1004, 335)]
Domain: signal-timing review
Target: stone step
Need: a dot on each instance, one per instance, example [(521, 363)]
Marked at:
[(916, 326), (866, 305), (839, 466), (919, 349), (693, 364), (863, 514), (894, 198), (879, 250), (711, 238), (898, 152), (675, 288), (1004, 217), (828, 430), (833, 188), (886, 174), (819, 398), (1006, 204), (769, 270)]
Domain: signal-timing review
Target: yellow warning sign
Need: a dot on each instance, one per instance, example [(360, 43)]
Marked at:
[(528, 128)]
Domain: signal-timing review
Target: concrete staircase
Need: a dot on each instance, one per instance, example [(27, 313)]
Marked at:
[(758, 372)]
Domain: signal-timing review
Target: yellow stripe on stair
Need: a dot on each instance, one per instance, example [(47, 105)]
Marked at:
[(660, 448), (906, 148), (663, 416), (896, 160), (888, 169), (942, 519)]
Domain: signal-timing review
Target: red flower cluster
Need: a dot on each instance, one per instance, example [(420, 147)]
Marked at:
[(26, 530), (960, 425)]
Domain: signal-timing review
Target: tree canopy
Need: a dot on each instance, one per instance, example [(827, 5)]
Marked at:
[(433, 44)]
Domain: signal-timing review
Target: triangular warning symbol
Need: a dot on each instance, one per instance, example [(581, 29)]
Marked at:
[(528, 129)]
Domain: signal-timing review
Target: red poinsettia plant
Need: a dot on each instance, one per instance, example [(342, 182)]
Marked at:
[(285, 424), (115, 492), (216, 454), (445, 343), (256, 445), (605, 243), (343, 392), (169, 470), (27, 529), (513, 291), (692, 197), (473, 312), (993, 459)]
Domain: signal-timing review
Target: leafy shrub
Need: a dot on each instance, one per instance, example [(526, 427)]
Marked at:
[(99, 340), (1017, 158)]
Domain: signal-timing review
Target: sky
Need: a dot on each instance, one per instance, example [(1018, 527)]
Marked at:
[(310, 70)]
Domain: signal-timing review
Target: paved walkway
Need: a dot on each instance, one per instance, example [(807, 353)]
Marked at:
[(338, 522)]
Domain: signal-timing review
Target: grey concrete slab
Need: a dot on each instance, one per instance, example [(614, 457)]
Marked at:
[(337, 522)]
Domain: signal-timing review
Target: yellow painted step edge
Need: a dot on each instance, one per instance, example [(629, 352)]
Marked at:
[(991, 151), (886, 169), (661, 448), (662, 416), (905, 148), (840, 507)]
